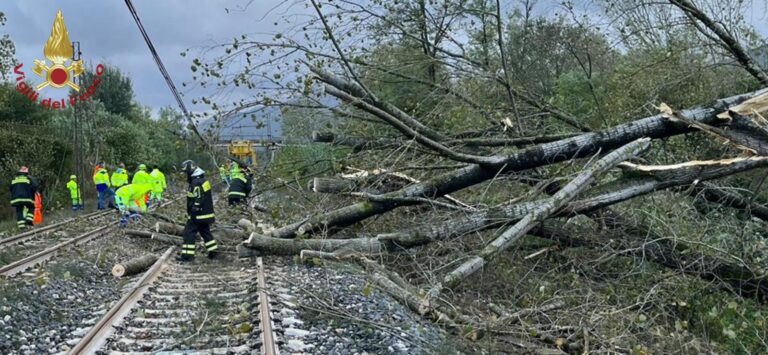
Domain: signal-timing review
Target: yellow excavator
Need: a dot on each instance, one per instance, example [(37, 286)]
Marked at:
[(244, 151)]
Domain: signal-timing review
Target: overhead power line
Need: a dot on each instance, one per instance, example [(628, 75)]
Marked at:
[(163, 71)]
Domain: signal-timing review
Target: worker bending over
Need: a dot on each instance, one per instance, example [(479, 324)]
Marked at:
[(131, 200), (74, 193), (158, 184), (239, 188), (23, 189), (200, 211)]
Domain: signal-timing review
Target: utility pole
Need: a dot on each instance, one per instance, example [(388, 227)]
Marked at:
[(77, 143)]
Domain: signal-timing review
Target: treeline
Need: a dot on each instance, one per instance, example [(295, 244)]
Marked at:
[(114, 128)]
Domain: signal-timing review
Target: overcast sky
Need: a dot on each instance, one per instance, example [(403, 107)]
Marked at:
[(109, 35)]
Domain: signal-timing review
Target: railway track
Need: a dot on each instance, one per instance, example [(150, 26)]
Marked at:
[(200, 308), (35, 258), (38, 232)]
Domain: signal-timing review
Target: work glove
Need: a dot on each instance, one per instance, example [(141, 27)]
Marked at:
[(135, 217), (123, 221)]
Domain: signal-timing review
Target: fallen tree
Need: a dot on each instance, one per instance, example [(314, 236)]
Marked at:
[(640, 180), (658, 126), (537, 215)]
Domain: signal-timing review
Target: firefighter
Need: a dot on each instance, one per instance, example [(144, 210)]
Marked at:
[(23, 189), (101, 180), (239, 188), (158, 184), (200, 211), (141, 176), (74, 193), (120, 177), (131, 200)]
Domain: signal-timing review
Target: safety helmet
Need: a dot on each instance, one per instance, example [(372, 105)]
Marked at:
[(24, 169), (188, 167), (142, 167), (72, 177)]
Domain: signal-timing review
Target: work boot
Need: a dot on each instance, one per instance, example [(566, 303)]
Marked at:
[(213, 255)]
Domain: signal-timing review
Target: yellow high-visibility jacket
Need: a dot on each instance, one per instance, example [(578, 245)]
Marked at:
[(133, 197), (119, 177), (158, 180), (142, 177), (74, 192), (101, 177)]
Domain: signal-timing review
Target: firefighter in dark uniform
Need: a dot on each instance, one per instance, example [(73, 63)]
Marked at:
[(23, 188), (200, 211), (239, 187)]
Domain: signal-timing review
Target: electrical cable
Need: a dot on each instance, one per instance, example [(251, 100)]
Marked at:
[(162, 69)]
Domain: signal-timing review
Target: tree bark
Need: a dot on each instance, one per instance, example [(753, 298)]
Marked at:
[(169, 228), (133, 266), (357, 144), (549, 153), (279, 246), (329, 185)]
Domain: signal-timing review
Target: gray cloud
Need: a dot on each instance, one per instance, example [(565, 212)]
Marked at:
[(108, 34)]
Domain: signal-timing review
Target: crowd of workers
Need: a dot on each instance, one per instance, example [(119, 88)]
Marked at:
[(134, 196)]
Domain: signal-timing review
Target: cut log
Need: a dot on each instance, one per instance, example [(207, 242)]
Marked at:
[(138, 233), (537, 215), (579, 146), (169, 228), (133, 266), (247, 225)]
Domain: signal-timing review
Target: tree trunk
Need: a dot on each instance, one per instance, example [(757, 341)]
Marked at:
[(538, 214), (133, 266), (640, 180), (279, 246), (169, 228), (247, 225), (357, 144), (549, 153)]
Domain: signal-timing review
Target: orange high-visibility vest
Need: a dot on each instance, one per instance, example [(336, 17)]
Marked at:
[(38, 209)]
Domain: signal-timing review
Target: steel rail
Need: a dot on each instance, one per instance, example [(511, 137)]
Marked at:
[(100, 332), (25, 263), (22, 237), (34, 259), (269, 346)]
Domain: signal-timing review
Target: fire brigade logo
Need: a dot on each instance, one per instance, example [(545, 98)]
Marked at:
[(59, 51), (61, 72)]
